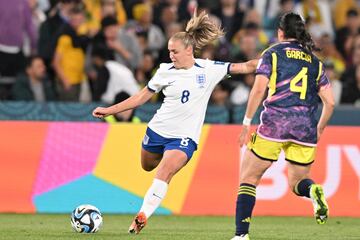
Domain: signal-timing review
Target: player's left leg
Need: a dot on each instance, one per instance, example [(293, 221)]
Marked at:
[(252, 169), (257, 159), (300, 159)]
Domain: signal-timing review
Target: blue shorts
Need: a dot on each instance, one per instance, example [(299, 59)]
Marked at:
[(155, 143)]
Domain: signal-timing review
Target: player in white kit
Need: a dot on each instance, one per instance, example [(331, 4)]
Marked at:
[(173, 133)]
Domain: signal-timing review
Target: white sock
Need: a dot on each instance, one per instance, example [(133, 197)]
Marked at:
[(153, 197)]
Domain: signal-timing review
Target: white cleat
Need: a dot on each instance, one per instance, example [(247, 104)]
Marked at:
[(241, 237)]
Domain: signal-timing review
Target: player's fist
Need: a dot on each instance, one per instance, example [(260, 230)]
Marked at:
[(100, 112)]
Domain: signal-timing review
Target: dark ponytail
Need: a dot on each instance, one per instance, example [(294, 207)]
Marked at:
[(293, 26)]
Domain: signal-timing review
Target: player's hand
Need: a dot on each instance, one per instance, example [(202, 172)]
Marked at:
[(101, 112), (244, 135)]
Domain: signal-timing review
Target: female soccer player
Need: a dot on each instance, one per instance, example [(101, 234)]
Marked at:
[(295, 78), (173, 133)]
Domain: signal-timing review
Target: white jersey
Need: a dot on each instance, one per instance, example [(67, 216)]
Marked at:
[(187, 92)]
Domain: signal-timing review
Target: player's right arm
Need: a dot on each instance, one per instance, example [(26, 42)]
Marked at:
[(132, 102), (328, 101), (255, 98)]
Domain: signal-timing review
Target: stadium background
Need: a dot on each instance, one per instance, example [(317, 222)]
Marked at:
[(55, 156)]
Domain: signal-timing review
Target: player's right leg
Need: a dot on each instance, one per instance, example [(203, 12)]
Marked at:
[(259, 155)]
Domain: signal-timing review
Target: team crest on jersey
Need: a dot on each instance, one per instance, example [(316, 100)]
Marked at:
[(200, 79)]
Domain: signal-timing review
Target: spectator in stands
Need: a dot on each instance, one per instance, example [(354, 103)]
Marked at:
[(329, 52), (220, 94), (231, 17), (271, 24), (246, 42), (143, 17), (122, 46), (15, 24), (99, 9), (253, 26), (164, 14), (241, 92), (113, 78), (351, 77), (268, 9), (340, 9), (48, 32), (317, 15), (145, 72), (345, 35), (114, 82), (38, 17), (170, 11), (33, 85), (69, 58), (336, 84)]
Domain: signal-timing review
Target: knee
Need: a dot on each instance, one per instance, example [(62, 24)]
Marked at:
[(147, 167)]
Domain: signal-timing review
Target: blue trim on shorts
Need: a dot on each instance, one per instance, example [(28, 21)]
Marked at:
[(155, 143)]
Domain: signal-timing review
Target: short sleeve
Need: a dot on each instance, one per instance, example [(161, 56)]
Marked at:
[(218, 70), (264, 66), (63, 43), (157, 83)]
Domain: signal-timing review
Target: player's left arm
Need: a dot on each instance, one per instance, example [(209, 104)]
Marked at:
[(243, 68), (328, 101), (255, 98)]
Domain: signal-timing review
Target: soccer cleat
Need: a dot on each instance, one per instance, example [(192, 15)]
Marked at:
[(241, 237), (138, 223), (321, 209)]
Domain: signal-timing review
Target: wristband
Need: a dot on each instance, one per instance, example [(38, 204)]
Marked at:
[(246, 121)]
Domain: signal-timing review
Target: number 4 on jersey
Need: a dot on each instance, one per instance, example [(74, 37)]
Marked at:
[(301, 76)]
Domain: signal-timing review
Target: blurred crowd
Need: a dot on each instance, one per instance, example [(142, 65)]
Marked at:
[(106, 50)]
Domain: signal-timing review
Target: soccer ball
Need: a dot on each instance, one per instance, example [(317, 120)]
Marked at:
[(86, 219)]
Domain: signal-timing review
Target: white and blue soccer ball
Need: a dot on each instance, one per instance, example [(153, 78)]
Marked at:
[(86, 219)]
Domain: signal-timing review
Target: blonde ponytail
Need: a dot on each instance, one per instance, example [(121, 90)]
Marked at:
[(199, 31)]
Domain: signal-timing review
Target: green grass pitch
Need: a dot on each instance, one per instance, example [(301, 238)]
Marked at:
[(47, 226)]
